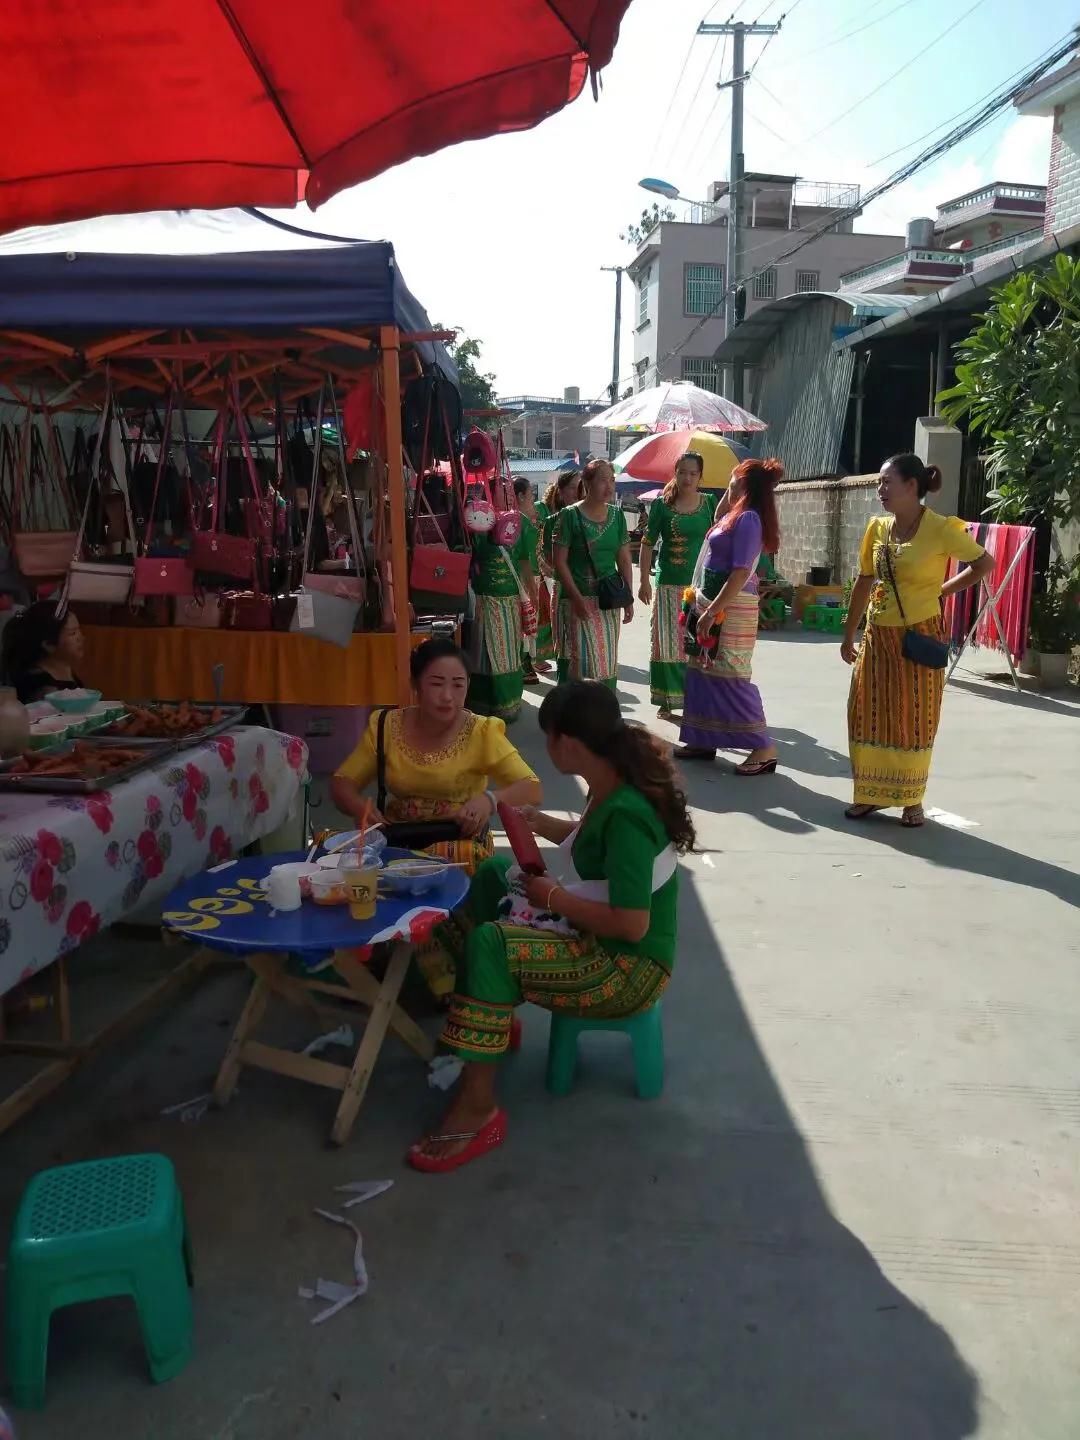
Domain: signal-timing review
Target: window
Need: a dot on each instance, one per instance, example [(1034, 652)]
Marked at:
[(806, 280), (703, 289), (765, 285), (706, 373), (643, 296)]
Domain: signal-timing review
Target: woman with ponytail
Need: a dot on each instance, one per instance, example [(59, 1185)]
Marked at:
[(723, 709), (594, 935)]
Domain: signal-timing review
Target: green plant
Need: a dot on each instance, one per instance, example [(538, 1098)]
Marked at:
[(637, 232), (477, 386), (1018, 386), (1054, 627)]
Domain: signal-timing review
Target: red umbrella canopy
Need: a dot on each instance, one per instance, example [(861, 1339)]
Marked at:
[(128, 105)]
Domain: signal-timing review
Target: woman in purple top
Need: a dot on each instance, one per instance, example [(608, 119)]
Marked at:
[(723, 709)]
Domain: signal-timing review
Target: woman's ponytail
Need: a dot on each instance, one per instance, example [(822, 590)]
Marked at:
[(642, 760)]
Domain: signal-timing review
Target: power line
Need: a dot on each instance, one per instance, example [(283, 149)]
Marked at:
[(697, 93), (849, 34), (890, 78), (993, 105)]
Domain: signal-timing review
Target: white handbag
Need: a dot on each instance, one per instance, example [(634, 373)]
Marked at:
[(102, 582)]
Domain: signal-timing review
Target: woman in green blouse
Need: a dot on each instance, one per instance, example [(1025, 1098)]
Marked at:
[(678, 522), (591, 543), (594, 935), (537, 651), (495, 651)]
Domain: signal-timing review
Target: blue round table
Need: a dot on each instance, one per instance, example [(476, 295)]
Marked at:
[(226, 908)]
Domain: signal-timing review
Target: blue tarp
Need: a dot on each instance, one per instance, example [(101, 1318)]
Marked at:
[(277, 290)]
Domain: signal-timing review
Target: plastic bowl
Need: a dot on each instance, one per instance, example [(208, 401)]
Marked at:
[(73, 702), (328, 888), (412, 877)]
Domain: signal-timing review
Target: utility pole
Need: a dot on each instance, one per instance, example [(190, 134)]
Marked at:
[(738, 31), (613, 388)]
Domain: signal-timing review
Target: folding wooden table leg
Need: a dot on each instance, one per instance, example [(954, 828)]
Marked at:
[(250, 1017), (382, 1008), (366, 989)]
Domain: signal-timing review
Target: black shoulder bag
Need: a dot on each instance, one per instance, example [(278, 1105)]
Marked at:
[(406, 834), (919, 649), (612, 591)]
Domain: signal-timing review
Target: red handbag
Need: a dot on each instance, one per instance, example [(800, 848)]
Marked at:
[(438, 580), (162, 574), (213, 552), (247, 610)]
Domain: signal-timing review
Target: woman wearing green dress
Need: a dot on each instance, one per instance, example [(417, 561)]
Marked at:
[(591, 544), (594, 935), (678, 522), (564, 491), (536, 652), (495, 652)]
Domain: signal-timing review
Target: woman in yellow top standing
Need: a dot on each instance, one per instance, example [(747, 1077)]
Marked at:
[(442, 761), (895, 700)]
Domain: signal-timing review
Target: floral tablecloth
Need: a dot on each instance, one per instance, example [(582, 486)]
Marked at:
[(70, 865)]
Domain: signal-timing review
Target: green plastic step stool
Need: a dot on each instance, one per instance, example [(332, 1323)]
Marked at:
[(774, 609), (90, 1231), (646, 1034)]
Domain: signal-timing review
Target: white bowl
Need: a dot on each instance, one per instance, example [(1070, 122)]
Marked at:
[(412, 877)]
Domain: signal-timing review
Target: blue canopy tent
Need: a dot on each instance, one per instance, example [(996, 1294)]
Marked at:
[(152, 320)]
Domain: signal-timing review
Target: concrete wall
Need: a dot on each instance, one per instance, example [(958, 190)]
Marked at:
[(1063, 199), (822, 522)]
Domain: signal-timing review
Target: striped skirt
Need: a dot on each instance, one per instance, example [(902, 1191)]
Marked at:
[(893, 713), (545, 641), (498, 678), (589, 649), (723, 709), (501, 966), (667, 662)]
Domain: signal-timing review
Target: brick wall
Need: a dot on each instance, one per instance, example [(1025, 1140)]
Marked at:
[(822, 522), (1063, 200)]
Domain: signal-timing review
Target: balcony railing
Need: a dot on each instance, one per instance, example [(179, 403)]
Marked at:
[(988, 194), (809, 194), (894, 266), (826, 194), (980, 254)]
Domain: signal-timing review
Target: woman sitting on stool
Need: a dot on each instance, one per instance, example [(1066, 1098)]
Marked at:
[(594, 936)]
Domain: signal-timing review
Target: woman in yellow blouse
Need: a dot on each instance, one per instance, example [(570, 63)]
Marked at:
[(895, 701)]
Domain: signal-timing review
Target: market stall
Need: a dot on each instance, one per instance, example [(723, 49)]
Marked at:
[(268, 405)]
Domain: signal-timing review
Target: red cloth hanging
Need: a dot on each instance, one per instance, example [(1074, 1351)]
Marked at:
[(1014, 607)]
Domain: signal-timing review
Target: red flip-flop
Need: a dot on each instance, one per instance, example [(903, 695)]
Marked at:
[(480, 1142), (516, 1032)]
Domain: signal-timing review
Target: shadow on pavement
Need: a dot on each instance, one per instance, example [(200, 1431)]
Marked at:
[(768, 797), (1024, 700)]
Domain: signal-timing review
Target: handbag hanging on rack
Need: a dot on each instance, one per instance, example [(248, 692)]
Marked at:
[(213, 552), (438, 576), (162, 574), (101, 582), (507, 517), (40, 554)]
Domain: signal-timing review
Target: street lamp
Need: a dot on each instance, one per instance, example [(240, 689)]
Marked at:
[(660, 187)]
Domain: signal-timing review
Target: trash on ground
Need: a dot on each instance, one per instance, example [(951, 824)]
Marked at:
[(343, 1035), (443, 1071), (338, 1294), (190, 1111)]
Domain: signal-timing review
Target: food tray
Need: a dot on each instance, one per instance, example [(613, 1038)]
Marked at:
[(167, 744), (69, 784)]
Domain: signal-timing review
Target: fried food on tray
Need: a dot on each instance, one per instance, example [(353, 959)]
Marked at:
[(166, 722), (84, 761)]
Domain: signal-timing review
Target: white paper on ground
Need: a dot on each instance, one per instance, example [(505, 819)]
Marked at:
[(334, 1291), (343, 1035), (189, 1110), (363, 1190), (443, 1071)]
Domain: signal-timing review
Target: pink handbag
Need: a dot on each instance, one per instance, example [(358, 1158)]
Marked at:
[(507, 526), (164, 574), (213, 552), (39, 554)]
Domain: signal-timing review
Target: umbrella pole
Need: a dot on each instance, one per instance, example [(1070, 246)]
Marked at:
[(390, 345)]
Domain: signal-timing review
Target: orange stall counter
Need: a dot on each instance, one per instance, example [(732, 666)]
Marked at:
[(263, 667)]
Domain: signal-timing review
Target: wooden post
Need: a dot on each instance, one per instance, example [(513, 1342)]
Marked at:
[(390, 345)]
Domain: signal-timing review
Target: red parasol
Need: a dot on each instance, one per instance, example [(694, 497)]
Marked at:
[(130, 105)]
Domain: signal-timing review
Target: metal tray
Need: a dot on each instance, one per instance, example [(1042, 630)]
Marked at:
[(159, 745), (68, 784)]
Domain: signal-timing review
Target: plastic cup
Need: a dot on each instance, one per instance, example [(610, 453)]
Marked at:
[(362, 885), (283, 889)]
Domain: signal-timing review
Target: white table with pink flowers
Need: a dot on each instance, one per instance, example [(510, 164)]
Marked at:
[(72, 865)]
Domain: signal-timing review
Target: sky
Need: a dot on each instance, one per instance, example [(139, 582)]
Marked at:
[(506, 237)]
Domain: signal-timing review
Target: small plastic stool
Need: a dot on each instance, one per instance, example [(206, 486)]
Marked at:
[(774, 610), (646, 1034), (89, 1231)]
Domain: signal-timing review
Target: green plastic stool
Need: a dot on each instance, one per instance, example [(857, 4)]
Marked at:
[(646, 1034), (774, 609), (89, 1231)]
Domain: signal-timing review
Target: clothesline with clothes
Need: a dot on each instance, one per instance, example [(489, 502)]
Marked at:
[(996, 613)]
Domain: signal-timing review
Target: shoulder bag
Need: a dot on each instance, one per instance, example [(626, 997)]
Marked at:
[(612, 591), (406, 834), (101, 582), (162, 574), (40, 553), (213, 552), (920, 649)]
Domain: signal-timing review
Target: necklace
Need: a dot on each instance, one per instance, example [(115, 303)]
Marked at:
[(909, 531)]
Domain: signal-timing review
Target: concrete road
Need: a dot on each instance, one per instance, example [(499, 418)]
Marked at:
[(852, 1216)]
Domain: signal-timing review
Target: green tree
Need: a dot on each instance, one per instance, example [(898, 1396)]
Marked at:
[(637, 232), (477, 386), (1018, 388)]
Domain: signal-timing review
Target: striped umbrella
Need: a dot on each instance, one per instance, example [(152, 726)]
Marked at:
[(655, 457)]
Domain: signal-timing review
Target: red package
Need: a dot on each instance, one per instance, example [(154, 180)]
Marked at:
[(522, 840)]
